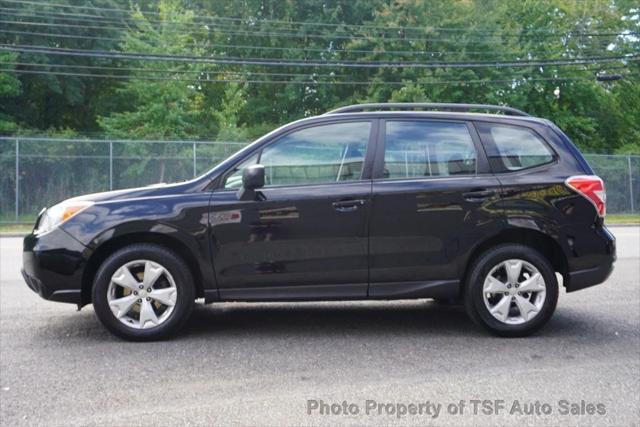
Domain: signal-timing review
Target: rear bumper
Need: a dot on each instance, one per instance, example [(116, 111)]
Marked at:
[(584, 278), (53, 264), (594, 263)]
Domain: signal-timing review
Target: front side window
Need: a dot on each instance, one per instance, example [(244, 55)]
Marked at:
[(316, 155), (234, 178), (512, 148), (428, 149)]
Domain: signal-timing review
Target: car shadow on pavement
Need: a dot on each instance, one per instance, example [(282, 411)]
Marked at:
[(331, 318), (421, 318), (418, 318)]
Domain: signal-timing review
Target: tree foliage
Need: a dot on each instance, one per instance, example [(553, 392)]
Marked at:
[(151, 99)]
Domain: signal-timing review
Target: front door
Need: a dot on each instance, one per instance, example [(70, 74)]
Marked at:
[(307, 235), (434, 198)]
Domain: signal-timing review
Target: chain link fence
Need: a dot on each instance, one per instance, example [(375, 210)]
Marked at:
[(621, 175), (38, 172)]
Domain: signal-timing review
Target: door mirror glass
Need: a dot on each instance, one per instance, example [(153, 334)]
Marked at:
[(233, 179), (253, 177)]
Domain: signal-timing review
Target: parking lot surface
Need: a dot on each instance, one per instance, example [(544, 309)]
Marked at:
[(274, 363)]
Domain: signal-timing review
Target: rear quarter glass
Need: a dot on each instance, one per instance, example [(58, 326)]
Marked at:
[(512, 147), (570, 147)]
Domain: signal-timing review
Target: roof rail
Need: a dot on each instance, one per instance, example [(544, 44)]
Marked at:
[(426, 106)]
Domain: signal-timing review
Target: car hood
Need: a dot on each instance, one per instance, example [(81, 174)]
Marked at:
[(154, 190)]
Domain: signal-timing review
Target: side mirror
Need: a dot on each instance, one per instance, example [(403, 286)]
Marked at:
[(252, 179)]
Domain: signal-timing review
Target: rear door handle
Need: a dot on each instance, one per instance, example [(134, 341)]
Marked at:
[(478, 195), (348, 205)]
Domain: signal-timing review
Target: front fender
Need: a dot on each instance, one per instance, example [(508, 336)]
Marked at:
[(179, 221)]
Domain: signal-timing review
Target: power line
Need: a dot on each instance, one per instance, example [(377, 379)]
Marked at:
[(69, 36), (225, 30), (153, 78), (124, 20), (298, 82), (156, 70), (255, 20), (311, 63), (587, 67), (294, 49)]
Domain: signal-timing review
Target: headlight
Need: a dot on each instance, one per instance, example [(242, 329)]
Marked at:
[(60, 213)]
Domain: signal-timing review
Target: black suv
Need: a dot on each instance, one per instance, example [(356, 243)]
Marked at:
[(372, 201)]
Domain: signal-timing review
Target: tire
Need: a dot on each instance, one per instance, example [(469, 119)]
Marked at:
[(155, 268), (482, 293)]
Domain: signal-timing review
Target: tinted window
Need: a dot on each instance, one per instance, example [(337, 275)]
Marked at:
[(512, 148), (424, 149), (320, 154)]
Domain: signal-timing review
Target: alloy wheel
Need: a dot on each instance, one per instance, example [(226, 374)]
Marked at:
[(514, 291), (142, 294)]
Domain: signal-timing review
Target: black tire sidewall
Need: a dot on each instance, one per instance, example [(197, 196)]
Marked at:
[(181, 276), (474, 302)]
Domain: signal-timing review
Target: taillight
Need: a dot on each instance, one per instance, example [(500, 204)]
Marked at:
[(592, 188)]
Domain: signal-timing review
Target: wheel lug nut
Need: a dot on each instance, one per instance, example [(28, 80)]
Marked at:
[(506, 293), (148, 299), (140, 287), (135, 292), (139, 300), (148, 289), (517, 285), (509, 286)]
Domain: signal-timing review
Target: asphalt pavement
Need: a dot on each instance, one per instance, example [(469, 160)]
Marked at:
[(404, 363)]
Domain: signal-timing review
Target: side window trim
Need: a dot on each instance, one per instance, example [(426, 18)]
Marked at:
[(368, 159), (378, 169), (482, 161), (487, 141)]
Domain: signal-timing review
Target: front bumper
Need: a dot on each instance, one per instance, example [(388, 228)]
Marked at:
[(53, 265)]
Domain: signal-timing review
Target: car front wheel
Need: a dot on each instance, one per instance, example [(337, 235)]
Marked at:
[(511, 290), (143, 292)]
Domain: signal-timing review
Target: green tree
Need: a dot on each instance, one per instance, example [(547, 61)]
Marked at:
[(599, 116), (165, 105), (58, 101), (10, 88), (169, 105)]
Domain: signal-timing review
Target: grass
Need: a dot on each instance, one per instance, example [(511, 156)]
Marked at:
[(16, 228), (622, 219)]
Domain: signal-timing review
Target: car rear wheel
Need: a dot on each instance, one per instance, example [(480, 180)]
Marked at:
[(511, 290), (143, 292)]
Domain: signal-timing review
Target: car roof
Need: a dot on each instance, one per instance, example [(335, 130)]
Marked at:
[(446, 115), (439, 110)]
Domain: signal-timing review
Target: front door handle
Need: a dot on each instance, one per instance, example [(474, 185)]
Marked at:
[(479, 195), (348, 205)]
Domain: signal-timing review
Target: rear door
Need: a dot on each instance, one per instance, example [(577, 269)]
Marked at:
[(433, 200), (307, 236)]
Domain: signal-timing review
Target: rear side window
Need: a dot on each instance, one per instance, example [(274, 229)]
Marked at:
[(428, 149), (513, 148)]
